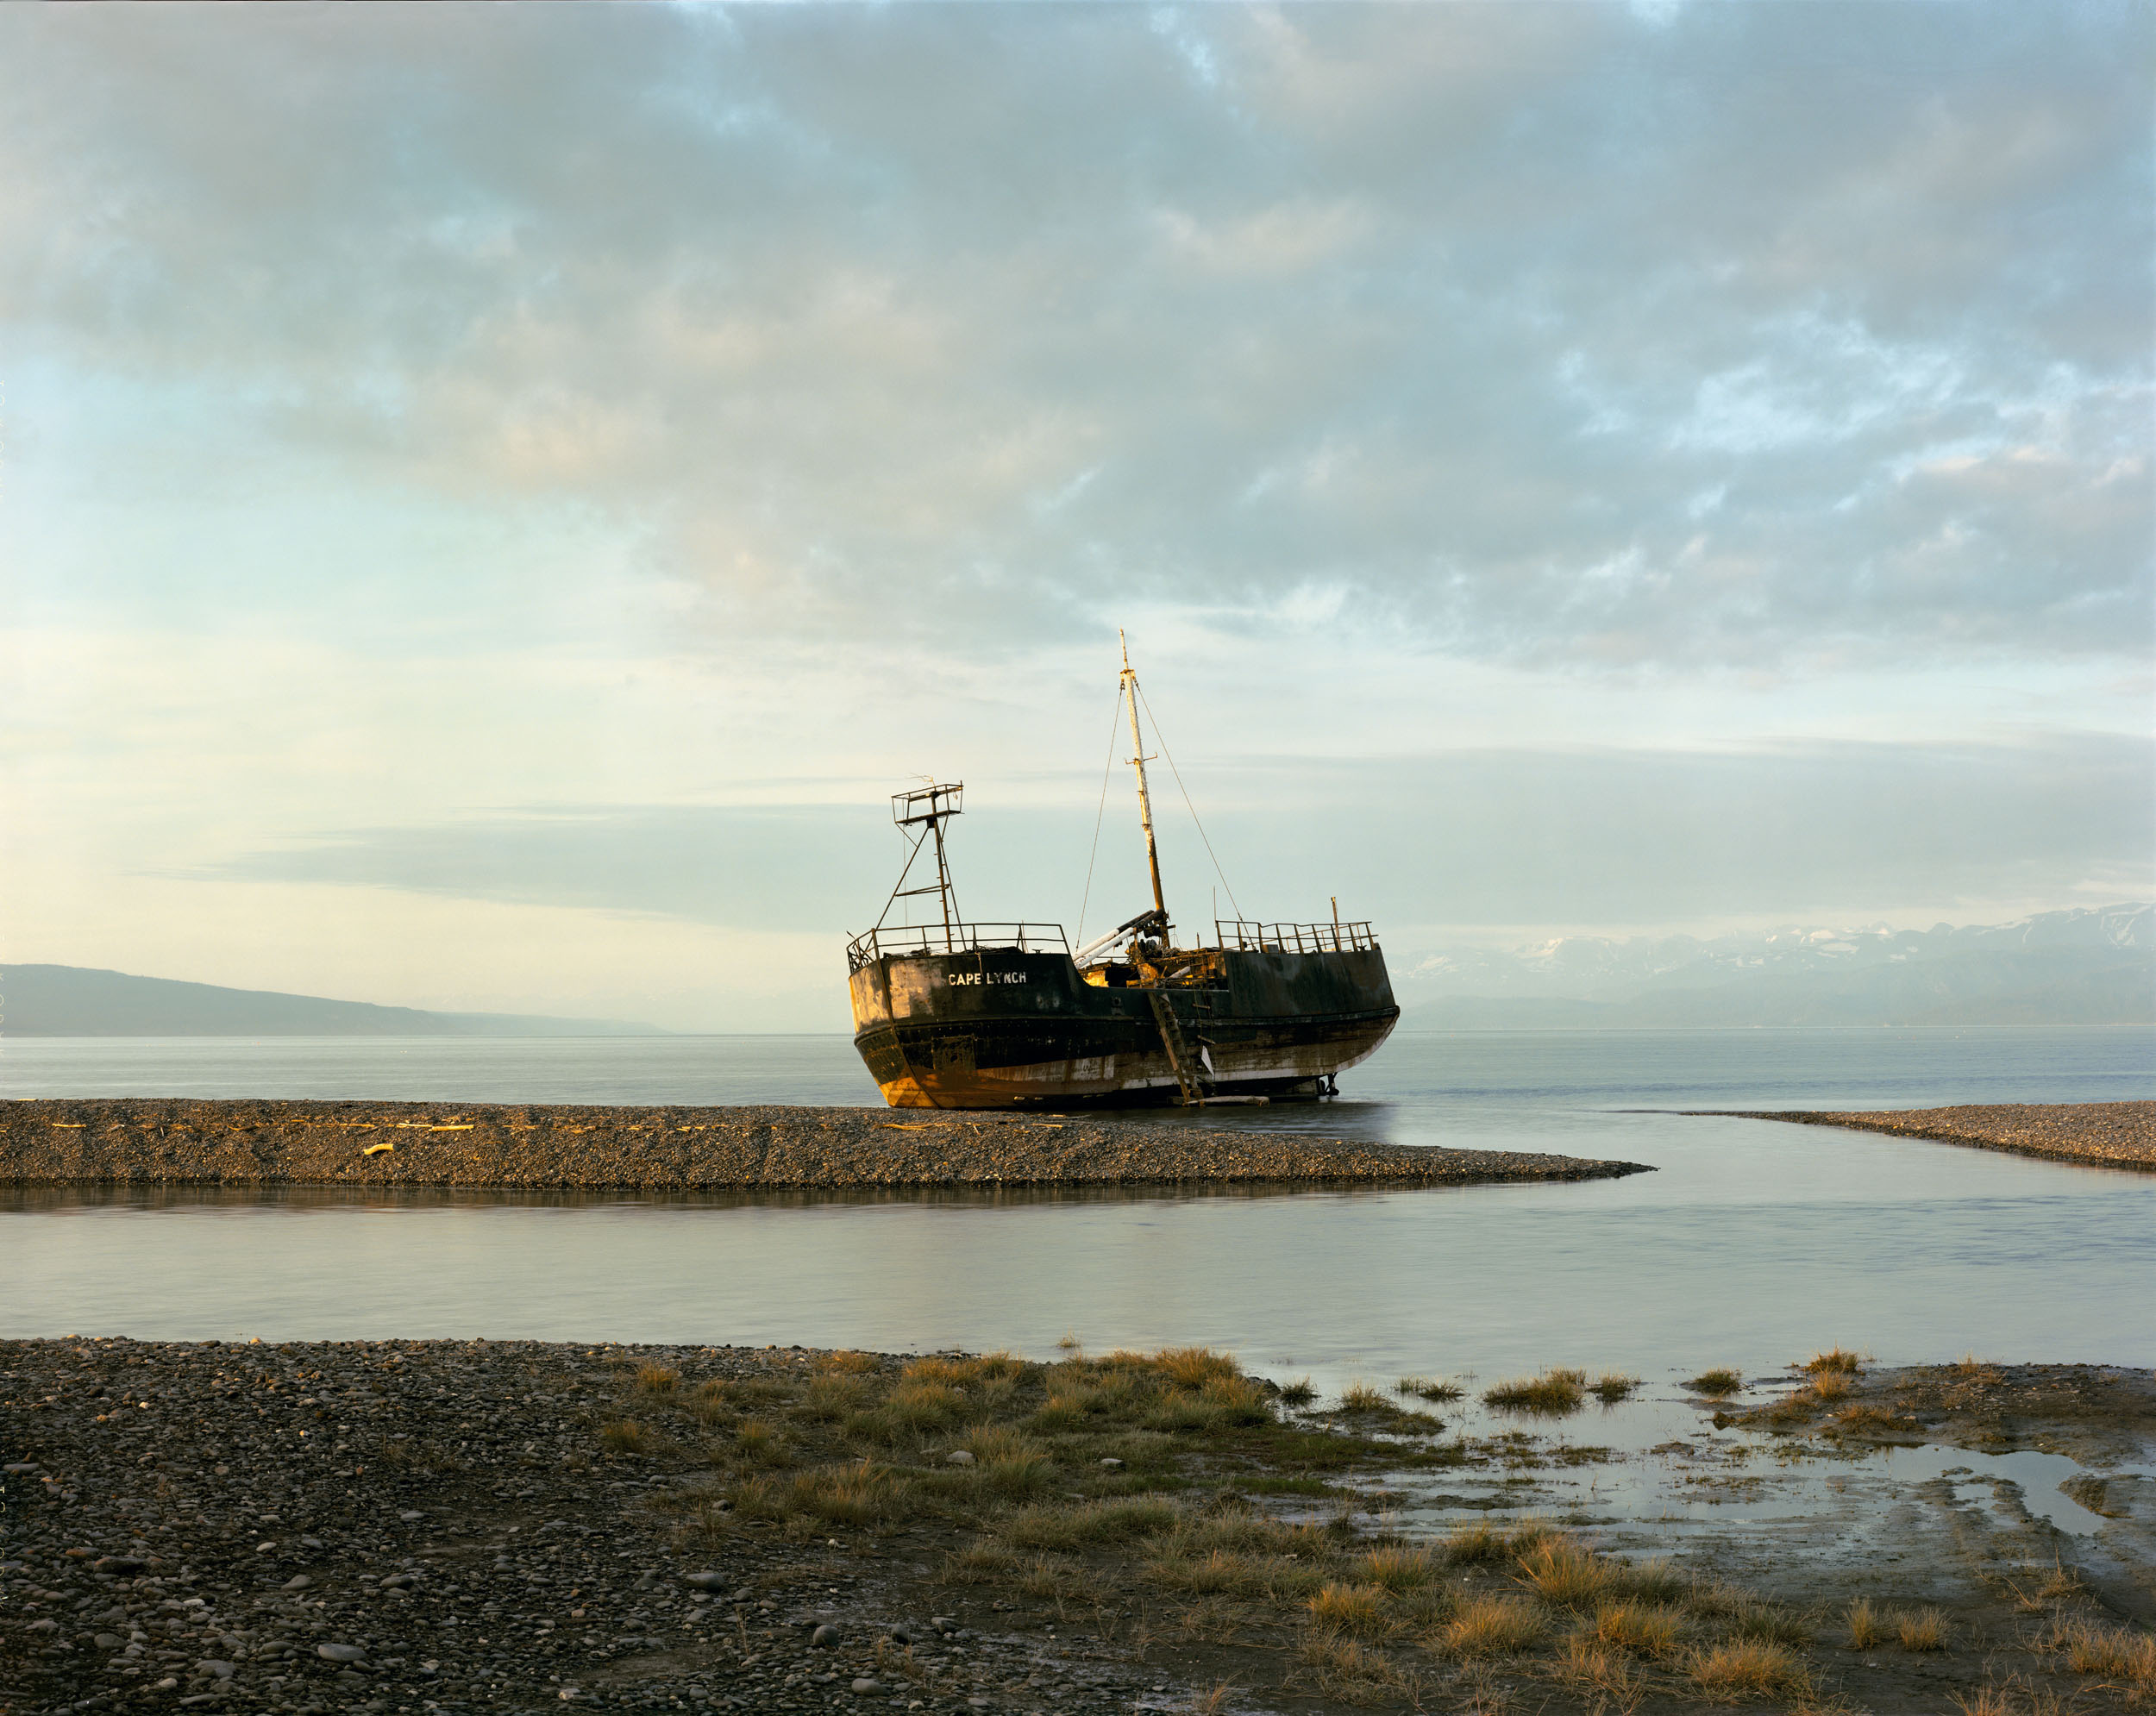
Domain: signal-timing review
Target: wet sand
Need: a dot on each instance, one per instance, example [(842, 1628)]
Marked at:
[(465, 1525), (147, 1141), (2106, 1134)]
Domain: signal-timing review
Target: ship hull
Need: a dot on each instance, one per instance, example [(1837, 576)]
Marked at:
[(1004, 1028)]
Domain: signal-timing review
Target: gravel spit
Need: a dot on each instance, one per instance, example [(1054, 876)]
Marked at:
[(165, 1141), (2107, 1134)]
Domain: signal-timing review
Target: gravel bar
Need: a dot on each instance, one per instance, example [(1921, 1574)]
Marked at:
[(148, 1141), (2106, 1134)]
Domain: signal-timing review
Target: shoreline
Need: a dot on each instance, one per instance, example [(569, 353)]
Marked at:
[(470, 1525), (2120, 1134), (148, 1141)]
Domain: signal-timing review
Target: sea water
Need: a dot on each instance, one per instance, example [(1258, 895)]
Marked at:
[(1752, 1242)]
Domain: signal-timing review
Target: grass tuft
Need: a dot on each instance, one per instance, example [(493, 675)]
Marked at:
[(1491, 1626), (1554, 1394), (1430, 1387), (1920, 1630), (1834, 1362), (1610, 1388), (1865, 1627), (1588, 1662), (1565, 1573), (1393, 1569), (1748, 1668), (627, 1435), (1717, 1384), (2116, 1652), (1069, 1525), (1357, 1609), (1644, 1629), (1300, 1392)]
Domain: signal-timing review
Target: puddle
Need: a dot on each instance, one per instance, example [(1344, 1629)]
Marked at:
[(1657, 1461)]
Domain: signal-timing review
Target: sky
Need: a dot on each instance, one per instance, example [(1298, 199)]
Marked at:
[(493, 500)]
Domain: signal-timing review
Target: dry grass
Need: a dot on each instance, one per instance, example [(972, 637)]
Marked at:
[(2123, 1655), (1594, 1666), (1748, 1668), (1865, 1628), (1348, 1668), (759, 1442), (1430, 1387), (1360, 1397), (1481, 1542), (1832, 1385), (1055, 1577), (1214, 1701), (1067, 1527), (1644, 1629), (2016, 1697), (1563, 1572), (711, 1403), (1834, 1362), (833, 1396), (1920, 1630), (1300, 1392), (1357, 1609), (1610, 1388), (1717, 1384), (1394, 1568), (2045, 1587), (1554, 1394), (1491, 1626), (1192, 1366), (859, 1494), (628, 1436)]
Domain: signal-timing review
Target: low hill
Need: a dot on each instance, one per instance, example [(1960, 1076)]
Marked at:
[(67, 1001)]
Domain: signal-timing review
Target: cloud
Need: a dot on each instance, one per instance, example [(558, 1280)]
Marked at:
[(1477, 838), (968, 323)]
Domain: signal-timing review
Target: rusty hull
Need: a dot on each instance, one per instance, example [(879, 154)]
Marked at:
[(1001, 1028)]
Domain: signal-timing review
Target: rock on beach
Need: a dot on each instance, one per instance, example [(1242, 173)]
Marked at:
[(175, 1141)]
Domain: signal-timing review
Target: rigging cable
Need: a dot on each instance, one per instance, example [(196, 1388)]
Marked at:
[(1184, 790), (1114, 721)]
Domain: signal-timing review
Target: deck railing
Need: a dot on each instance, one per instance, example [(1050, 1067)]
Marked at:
[(1243, 934), (959, 938), (1247, 937)]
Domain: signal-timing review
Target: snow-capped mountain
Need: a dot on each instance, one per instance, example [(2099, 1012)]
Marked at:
[(2082, 966)]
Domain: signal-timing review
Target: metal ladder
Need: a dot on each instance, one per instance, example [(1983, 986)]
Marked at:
[(1189, 1080)]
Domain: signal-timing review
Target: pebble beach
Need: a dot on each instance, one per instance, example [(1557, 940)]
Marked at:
[(142, 1141), (370, 1526)]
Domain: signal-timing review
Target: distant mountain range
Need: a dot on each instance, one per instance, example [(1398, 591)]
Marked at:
[(2087, 966), (67, 1001)]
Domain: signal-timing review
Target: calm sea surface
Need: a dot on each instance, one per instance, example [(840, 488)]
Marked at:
[(1753, 1242)]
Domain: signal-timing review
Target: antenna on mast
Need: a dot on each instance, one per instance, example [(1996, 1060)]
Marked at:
[(1128, 690)]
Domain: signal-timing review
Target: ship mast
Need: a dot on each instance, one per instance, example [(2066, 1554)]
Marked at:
[(1129, 691)]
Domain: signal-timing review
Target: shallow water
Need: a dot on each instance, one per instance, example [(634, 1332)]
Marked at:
[(1752, 1243)]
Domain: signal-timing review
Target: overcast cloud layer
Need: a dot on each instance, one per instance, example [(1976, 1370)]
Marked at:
[(417, 415)]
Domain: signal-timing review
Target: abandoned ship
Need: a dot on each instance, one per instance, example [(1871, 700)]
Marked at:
[(949, 1014)]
